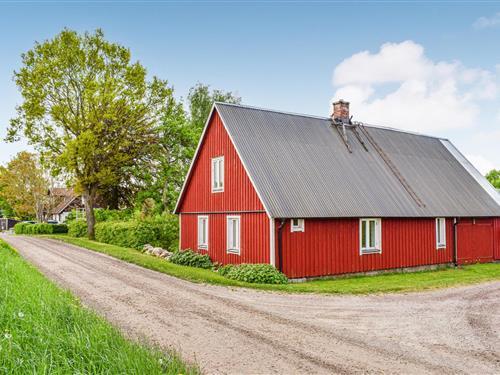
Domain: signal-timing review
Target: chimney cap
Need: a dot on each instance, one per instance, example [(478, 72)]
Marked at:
[(341, 101)]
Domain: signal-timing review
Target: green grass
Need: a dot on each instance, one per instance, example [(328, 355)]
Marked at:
[(390, 282), (45, 330)]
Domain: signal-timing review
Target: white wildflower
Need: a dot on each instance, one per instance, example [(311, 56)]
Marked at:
[(20, 315), (7, 336)]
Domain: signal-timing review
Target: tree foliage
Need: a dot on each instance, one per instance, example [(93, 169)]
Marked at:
[(89, 110), (493, 177), (23, 187), (200, 101)]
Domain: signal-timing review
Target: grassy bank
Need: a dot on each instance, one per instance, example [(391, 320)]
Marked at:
[(43, 329), (394, 282)]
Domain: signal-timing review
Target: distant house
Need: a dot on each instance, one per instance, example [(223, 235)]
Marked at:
[(62, 202), (324, 195)]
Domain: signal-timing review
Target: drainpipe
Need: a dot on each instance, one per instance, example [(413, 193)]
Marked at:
[(455, 245), (280, 244)]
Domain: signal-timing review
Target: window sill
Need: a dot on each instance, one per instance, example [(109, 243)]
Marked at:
[(218, 191), (204, 248), (370, 251), (233, 251), (441, 247)]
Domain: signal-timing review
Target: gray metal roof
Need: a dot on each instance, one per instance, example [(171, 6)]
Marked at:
[(301, 167)]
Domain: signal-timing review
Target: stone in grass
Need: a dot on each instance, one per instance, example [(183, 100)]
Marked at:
[(157, 251)]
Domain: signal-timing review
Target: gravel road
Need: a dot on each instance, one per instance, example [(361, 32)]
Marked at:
[(232, 330)]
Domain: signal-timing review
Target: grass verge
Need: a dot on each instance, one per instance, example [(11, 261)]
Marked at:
[(390, 282), (44, 329)]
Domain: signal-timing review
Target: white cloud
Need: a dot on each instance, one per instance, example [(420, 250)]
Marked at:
[(481, 163), (487, 22), (400, 86)]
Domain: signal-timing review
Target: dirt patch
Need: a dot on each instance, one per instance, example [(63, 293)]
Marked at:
[(230, 330)]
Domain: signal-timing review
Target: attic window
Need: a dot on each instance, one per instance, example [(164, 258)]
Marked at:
[(297, 225), (218, 174), (370, 236)]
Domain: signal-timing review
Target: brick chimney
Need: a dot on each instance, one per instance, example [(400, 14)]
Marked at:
[(341, 111)]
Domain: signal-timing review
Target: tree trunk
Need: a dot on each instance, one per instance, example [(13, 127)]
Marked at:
[(89, 197)]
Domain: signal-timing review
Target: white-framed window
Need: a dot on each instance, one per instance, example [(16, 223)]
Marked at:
[(218, 174), (233, 234), (203, 232), (440, 233), (297, 225), (370, 236)]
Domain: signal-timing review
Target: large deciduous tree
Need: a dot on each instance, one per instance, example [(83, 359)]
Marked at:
[(24, 187), (90, 111)]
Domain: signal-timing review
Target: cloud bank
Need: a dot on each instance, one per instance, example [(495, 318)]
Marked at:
[(487, 22), (400, 86)]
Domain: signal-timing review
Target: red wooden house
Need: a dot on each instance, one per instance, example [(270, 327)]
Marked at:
[(323, 196)]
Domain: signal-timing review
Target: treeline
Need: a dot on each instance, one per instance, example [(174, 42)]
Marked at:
[(101, 125)]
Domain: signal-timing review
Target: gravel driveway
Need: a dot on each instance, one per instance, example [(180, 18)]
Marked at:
[(231, 330)]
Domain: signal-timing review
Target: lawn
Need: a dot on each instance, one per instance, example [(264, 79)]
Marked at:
[(44, 329), (390, 282)]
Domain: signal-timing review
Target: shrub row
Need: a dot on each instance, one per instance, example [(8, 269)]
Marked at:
[(161, 232), (192, 259), (42, 228), (254, 273), (77, 228)]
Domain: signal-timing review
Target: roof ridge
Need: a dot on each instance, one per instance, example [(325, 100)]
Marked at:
[(328, 118), (273, 110)]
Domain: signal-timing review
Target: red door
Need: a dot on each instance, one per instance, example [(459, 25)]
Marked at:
[(475, 241)]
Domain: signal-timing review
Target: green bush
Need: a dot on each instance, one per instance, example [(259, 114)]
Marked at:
[(254, 273), (161, 231), (77, 228), (19, 228), (59, 228), (192, 259), (41, 228)]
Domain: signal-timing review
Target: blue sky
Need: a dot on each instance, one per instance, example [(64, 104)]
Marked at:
[(429, 67)]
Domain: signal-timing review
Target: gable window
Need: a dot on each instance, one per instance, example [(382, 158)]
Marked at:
[(233, 234), (203, 232), (440, 233), (297, 225), (370, 238), (218, 174)]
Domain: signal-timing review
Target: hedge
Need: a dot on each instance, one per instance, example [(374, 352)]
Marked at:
[(161, 231), (77, 228), (41, 228)]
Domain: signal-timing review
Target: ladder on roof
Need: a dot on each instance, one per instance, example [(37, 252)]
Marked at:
[(391, 166)]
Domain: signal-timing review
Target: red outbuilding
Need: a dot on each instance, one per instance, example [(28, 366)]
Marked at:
[(319, 196)]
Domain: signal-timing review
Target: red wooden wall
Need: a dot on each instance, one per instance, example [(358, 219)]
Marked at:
[(496, 237), (331, 246), (475, 239), (238, 198), (254, 237), (239, 193)]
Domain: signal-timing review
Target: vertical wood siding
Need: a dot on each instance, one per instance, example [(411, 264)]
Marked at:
[(254, 237), (331, 246), (475, 239), (238, 198), (496, 237), (239, 193)]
